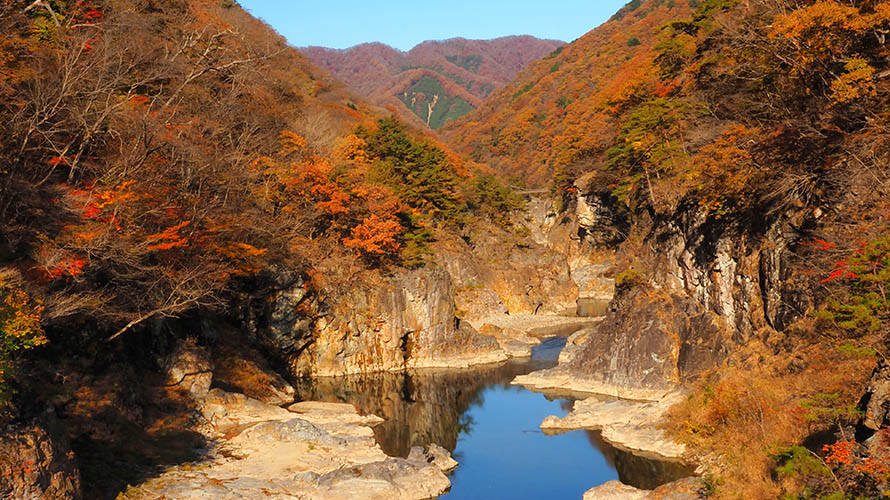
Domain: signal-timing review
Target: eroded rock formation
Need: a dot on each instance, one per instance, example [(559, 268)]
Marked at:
[(691, 290), (36, 461)]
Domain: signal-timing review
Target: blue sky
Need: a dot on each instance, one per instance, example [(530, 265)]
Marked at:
[(402, 24)]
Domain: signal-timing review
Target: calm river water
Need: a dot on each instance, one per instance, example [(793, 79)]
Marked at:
[(492, 429)]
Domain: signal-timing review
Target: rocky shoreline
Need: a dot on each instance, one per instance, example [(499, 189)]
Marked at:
[(309, 449), (561, 378), (628, 425)]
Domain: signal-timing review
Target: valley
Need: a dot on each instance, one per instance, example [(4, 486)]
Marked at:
[(649, 263)]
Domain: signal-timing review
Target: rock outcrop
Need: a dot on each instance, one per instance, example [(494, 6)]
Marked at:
[(629, 425), (651, 342), (876, 402), (311, 450), (692, 289), (189, 367), (497, 272), (36, 461), (683, 489), (407, 320)]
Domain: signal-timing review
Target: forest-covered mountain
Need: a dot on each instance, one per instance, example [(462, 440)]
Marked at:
[(438, 81), (734, 154), (559, 109)]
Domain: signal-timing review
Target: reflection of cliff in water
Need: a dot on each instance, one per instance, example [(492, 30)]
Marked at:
[(420, 407), (431, 406), (637, 471)]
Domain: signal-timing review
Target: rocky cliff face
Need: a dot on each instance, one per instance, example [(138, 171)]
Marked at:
[(422, 318), (497, 272), (36, 461), (693, 289), (406, 321)]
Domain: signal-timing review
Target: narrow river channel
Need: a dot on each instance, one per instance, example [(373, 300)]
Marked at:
[(491, 427)]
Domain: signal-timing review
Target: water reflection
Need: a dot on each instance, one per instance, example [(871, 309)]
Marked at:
[(420, 407), (638, 471), (492, 429)]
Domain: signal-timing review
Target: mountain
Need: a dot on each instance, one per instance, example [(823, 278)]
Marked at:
[(558, 109), (731, 157), (438, 81)]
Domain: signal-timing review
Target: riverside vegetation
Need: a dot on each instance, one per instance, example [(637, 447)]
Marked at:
[(173, 173)]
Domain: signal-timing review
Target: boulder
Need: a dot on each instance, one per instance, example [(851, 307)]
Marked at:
[(683, 489), (615, 490), (190, 368)]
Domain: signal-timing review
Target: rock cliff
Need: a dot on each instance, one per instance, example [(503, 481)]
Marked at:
[(496, 272), (407, 320), (36, 461), (690, 291)]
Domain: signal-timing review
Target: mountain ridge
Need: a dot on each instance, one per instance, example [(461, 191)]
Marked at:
[(388, 76)]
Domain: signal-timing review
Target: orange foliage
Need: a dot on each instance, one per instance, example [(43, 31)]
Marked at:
[(563, 106), (376, 235), (169, 238)]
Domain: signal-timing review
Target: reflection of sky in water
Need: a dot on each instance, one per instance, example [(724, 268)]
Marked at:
[(506, 455), (492, 428)]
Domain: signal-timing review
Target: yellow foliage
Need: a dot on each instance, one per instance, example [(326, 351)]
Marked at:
[(855, 83), (244, 256), (351, 149), (291, 143), (20, 326), (825, 28)]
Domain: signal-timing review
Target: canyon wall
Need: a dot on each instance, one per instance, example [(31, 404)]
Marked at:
[(690, 290)]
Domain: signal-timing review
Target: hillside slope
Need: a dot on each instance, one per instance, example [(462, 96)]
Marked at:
[(438, 81), (734, 157), (559, 108)]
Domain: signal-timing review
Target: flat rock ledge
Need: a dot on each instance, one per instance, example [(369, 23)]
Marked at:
[(323, 451), (539, 326), (517, 334), (467, 361), (684, 489), (560, 378), (629, 425)]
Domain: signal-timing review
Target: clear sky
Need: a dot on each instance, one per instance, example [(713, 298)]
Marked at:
[(402, 24)]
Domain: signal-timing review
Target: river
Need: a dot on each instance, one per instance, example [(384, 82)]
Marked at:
[(491, 427)]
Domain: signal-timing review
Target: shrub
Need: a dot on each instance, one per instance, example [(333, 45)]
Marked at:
[(20, 327), (864, 306)]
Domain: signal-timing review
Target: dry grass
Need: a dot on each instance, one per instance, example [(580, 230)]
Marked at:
[(742, 415)]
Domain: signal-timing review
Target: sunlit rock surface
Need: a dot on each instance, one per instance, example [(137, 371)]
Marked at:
[(683, 489), (313, 450), (631, 425)]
